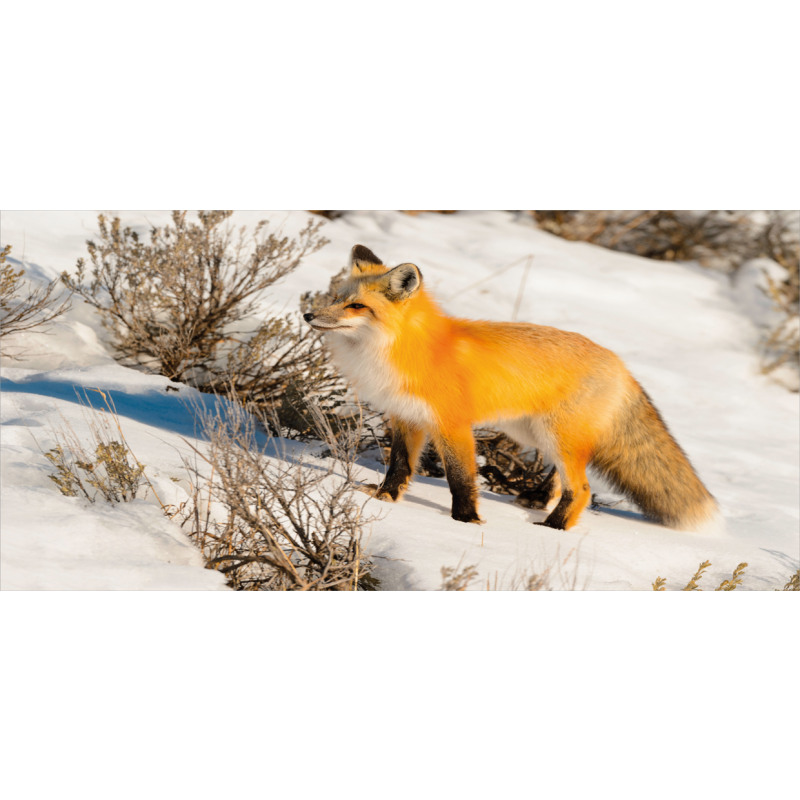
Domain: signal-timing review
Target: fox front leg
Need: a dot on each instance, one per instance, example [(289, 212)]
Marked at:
[(457, 449), (407, 444)]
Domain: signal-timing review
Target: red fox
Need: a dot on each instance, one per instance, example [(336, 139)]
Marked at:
[(436, 376)]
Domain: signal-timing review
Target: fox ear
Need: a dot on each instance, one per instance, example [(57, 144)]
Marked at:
[(363, 260), (403, 281)]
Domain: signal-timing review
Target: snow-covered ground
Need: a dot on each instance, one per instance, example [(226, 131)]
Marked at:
[(686, 334)]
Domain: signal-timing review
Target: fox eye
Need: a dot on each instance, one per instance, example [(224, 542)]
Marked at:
[(356, 305)]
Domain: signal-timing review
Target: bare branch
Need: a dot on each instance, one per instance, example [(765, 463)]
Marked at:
[(25, 307)]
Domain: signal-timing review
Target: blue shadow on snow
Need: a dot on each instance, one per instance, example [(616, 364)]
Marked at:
[(162, 409)]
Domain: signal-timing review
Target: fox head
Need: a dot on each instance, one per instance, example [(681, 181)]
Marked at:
[(371, 299)]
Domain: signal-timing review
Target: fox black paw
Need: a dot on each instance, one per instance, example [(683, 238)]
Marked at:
[(468, 517), (554, 525)]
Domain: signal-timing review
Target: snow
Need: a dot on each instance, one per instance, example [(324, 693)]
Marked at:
[(56, 542), (688, 335)]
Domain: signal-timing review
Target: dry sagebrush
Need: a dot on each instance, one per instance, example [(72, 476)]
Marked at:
[(185, 303), (281, 523), (278, 522), (720, 239), (24, 307)]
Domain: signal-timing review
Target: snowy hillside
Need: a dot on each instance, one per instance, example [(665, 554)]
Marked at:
[(683, 331)]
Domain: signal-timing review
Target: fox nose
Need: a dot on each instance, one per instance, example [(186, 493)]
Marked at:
[(308, 317)]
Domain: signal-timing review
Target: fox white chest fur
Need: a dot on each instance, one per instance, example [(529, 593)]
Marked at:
[(363, 360)]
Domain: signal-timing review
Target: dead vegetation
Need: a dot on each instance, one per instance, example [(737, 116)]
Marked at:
[(559, 573), (508, 469), (24, 307), (109, 475), (728, 585), (722, 240), (276, 520), (188, 304), (719, 239), (457, 579), (505, 466), (266, 517), (793, 584), (782, 344), (108, 469)]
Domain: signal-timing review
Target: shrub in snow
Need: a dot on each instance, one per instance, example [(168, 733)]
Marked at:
[(721, 239), (188, 304), (768, 293), (782, 344), (751, 285), (112, 472), (761, 249), (24, 307), (279, 523)]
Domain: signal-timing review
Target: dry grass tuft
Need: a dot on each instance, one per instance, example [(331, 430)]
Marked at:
[(457, 580), (726, 586), (108, 469), (793, 584), (735, 579), (692, 585), (110, 474), (559, 573)]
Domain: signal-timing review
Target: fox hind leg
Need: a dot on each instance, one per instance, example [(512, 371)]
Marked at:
[(575, 492)]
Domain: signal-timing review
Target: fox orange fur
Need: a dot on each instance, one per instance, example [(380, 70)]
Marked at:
[(436, 376)]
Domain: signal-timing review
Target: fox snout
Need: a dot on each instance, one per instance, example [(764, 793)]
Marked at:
[(324, 320)]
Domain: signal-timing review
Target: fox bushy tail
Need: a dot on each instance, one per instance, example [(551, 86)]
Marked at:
[(643, 460)]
